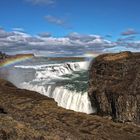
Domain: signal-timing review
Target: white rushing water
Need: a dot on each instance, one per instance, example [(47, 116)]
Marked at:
[(58, 81), (65, 98)]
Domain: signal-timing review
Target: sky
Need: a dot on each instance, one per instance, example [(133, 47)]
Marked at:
[(69, 27)]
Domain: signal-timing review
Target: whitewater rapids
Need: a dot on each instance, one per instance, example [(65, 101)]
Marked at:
[(58, 81)]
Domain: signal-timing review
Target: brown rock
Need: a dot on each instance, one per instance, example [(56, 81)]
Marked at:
[(115, 86), (31, 116)]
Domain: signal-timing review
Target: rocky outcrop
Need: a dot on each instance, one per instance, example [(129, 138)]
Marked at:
[(115, 86), (27, 115), (3, 56)]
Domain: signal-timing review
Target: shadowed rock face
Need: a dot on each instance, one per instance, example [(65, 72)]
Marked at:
[(115, 86)]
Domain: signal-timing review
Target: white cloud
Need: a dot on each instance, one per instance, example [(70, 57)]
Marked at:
[(18, 29), (57, 21), (45, 34), (72, 44), (41, 2), (129, 32)]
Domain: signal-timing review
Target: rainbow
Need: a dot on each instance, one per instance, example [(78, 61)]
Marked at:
[(15, 59), (92, 54)]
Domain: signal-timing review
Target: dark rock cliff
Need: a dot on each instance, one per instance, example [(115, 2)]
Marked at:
[(115, 86)]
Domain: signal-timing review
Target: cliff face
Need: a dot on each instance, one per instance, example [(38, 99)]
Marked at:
[(115, 86)]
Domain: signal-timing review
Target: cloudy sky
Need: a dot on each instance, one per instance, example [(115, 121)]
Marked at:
[(69, 27)]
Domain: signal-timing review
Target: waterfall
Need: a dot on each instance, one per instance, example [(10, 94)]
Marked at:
[(65, 98), (48, 79)]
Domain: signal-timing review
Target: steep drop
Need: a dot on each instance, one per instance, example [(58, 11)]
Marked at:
[(66, 83), (115, 86)]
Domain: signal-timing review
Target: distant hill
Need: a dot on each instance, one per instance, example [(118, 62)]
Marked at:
[(3, 56), (8, 59)]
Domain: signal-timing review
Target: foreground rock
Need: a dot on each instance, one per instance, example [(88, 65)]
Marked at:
[(115, 86), (26, 115)]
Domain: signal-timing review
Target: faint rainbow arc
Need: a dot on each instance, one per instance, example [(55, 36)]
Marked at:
[(15, 59)]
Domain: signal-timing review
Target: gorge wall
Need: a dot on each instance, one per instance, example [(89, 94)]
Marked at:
[(114, 86)]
